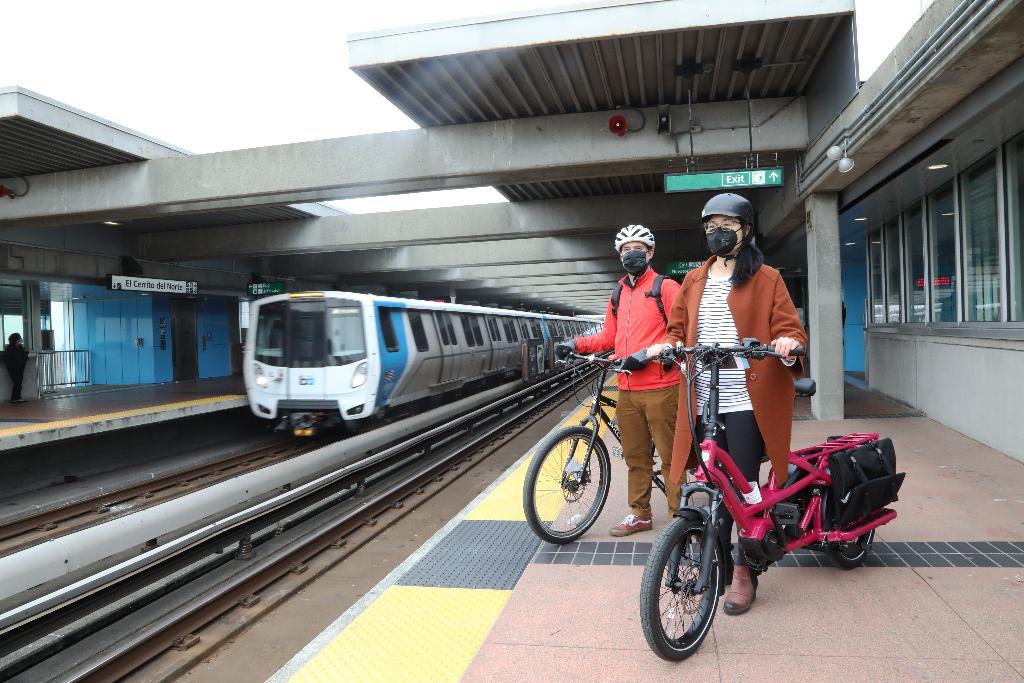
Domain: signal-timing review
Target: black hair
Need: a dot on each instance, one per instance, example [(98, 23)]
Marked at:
[(14, 338), (748, 259)]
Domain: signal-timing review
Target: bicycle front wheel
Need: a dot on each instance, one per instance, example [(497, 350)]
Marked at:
[(564, 490), (675, 617)]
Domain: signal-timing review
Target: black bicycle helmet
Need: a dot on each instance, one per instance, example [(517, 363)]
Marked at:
[(729, 204)]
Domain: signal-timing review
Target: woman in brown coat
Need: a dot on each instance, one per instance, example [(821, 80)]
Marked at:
[(731, 297)]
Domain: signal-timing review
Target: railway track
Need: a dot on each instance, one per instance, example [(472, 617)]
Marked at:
[(109, 624)]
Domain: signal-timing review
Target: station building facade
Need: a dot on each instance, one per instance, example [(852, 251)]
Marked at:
[(933, 264)]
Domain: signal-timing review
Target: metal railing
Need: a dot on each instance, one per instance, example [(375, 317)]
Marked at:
[(61, 369)]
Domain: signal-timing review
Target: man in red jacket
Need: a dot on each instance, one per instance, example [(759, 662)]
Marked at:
[(635, 320)]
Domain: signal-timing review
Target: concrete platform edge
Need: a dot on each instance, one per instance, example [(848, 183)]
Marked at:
[(107, 424)]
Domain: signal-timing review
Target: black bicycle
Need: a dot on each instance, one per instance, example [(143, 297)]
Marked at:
[(567, 483)]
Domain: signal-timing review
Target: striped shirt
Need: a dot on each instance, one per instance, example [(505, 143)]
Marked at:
[(715, 324)]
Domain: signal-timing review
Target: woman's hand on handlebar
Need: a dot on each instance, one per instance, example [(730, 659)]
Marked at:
[(784, 347), (657, 349)]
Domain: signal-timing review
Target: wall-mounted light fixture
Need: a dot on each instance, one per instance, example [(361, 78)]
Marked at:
[(837, 153)]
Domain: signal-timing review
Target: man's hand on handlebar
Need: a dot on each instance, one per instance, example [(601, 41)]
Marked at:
[(564, 349)]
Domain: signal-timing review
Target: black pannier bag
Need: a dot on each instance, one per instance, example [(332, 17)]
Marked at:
[(864, 480)]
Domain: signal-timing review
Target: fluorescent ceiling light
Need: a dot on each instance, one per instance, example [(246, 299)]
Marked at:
[(111, 223), (948, 213), (937, 167), (851, 244), (862, 218)]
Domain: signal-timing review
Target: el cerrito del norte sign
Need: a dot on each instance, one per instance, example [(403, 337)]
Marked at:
[(148, 284), (723, 180)]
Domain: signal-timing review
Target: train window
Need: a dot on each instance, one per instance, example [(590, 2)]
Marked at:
[(474, 323), (513, 333), (525, 331), (346, 342), (387, 328), (466, 331), (419, 334), (496, 333), (535, 329), (270, 333), (442, 329), (451, 329)]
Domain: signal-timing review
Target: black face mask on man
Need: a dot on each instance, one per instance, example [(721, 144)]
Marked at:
[(634, 261), (721, 241)]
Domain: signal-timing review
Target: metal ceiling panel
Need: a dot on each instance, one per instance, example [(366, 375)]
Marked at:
[(608, 73), (29, 148)]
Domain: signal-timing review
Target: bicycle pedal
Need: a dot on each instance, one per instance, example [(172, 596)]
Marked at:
[(617, 452)]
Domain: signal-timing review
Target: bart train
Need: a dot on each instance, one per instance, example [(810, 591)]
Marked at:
[(319, 359)]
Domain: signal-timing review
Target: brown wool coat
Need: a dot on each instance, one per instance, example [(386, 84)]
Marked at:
[(762, 309)]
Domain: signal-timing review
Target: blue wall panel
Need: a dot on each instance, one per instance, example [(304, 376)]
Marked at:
[(213, 338), (855, 291), (110, 323), (163, 368)]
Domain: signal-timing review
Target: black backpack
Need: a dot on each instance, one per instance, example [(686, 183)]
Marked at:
[(655, 292)]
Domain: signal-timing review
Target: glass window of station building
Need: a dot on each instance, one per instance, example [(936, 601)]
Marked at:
[(954, 254)]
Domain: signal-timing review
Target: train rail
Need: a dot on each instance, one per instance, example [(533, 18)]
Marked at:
[(111, 622)]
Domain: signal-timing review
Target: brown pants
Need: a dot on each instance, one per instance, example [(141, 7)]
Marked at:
[(644, 415)]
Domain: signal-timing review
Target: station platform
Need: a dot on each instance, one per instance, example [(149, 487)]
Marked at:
[(91, 412), (940, 598)]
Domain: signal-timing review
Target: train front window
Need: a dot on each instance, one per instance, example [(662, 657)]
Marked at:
[(346, 342), (306, 335), (270, 333)]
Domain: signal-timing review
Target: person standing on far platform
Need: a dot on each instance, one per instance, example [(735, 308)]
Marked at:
[(635, 319), (16, 358)]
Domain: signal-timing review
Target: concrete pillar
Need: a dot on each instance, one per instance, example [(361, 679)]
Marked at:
[(825, 303), (32, 316)]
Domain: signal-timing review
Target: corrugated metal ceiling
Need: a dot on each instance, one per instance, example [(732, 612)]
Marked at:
[(30, 148), (600, 75)]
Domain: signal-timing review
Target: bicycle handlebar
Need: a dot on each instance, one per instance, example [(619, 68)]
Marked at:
[(752, 349), (617, 365)]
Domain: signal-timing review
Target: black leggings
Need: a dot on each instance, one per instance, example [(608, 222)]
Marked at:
[(743, 442)]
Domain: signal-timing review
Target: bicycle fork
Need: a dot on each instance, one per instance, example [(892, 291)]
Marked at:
[(708, 516)]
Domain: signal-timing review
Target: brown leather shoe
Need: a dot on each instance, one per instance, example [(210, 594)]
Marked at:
[(743, 593)]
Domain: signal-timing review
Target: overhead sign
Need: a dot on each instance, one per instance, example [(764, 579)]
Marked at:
[(682, 267), (723, 180), (265, 288), (146, 284)]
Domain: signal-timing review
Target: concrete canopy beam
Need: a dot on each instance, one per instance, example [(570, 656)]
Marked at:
[(409, 279), (353, 232), (536, 250), (493, 153)]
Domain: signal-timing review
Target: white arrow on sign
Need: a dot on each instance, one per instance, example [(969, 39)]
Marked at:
[(774, 175)]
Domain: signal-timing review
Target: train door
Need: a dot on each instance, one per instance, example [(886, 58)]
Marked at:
[(476, 356), (394, 350), (185, 354), (449, 347), (307, 350)]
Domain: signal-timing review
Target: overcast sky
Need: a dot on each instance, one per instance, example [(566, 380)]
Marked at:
[(214, 75)]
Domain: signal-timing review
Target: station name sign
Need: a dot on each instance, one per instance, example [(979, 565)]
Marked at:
[(265, 288), (146, 284), (723, 180)]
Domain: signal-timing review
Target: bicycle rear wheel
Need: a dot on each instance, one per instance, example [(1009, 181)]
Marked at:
[(563, 495), (676, 619)]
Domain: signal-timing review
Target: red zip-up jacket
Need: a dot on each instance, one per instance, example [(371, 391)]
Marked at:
[(638, 325)]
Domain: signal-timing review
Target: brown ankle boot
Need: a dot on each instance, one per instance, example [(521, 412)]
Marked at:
[(743, 593)]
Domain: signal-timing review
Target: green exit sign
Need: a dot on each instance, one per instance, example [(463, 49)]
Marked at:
[(265, 288), (723, 180), (682, 267)]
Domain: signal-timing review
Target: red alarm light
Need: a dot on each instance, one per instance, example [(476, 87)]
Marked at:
[(618, 125)]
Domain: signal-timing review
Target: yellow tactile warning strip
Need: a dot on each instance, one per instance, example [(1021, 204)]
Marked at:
[(410, 633), (89, 419)]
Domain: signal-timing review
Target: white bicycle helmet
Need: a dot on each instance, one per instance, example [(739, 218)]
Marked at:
[(634, 233)]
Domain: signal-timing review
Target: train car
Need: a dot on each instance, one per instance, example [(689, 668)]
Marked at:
[(319, 359)]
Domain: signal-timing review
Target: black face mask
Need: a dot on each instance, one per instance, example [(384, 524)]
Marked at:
[(635, 262), (722, 241)]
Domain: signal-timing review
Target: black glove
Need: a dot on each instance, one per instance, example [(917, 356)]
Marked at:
[(635, 361), (564, 349)]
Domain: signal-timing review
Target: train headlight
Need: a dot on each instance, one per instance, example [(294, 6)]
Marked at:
[(262, 381), (359, 377)]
